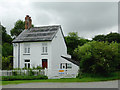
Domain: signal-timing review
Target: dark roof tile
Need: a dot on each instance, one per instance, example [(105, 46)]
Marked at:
[(44, 33)]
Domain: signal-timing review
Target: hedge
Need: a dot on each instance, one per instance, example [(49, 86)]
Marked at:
[(12, 78)]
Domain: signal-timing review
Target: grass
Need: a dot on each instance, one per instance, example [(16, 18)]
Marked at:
[(67, 80)]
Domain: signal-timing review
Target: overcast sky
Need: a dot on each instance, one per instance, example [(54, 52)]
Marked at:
[(86, 18)]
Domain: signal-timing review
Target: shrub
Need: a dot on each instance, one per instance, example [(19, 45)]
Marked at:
[(98, 57), (38, 67), (30, 72), (14, 73), (12, 78)]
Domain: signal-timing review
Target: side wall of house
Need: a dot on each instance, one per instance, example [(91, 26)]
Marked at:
[(58, 49)]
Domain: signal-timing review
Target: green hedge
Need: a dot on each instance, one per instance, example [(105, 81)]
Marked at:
[(12, 78)]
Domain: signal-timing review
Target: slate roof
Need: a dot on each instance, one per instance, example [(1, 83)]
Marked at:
[(71, 60), (34, 34)]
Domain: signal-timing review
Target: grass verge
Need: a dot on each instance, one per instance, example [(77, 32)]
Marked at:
[(68, 80), (116, 76)]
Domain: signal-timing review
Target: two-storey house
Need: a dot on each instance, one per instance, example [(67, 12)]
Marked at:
[(43, 46)]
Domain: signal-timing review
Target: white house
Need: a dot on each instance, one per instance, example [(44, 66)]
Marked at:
[(43, 46)]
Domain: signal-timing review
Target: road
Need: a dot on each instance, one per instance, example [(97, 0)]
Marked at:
[(104, 84)]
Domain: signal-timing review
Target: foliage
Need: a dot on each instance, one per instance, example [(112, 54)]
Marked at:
[(113, 37), (72, 42), (12, 78), (99, 38), (14, 73), (86, 78), (6, 38), (30, 72), (109, 37), (7, 50), (18, 28), (7, 63), (39, 67), (98, 57)]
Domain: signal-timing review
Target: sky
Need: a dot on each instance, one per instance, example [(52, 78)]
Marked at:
[(86, 18)]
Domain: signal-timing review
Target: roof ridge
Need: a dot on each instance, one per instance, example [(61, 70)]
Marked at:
[(46, 26)]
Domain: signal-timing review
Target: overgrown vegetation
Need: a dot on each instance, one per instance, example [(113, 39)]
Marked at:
[(99, 56), (72, 42)]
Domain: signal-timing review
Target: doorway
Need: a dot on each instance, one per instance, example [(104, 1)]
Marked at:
[(44, 63)]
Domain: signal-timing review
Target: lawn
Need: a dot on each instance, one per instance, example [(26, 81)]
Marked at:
[(68, 80), (87, 78)]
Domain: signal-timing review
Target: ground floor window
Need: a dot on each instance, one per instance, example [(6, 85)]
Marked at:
[(65, 66), (27, 63)]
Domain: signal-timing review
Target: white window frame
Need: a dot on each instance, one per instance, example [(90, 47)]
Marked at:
[(26, 48), (66, 66), (44, 48), (27, 63)]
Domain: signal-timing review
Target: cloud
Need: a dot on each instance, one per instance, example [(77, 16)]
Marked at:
[(88, 19)]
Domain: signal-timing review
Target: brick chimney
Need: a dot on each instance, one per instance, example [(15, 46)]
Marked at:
[(28, 22)]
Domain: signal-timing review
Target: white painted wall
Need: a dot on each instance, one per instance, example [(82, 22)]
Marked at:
[(56, 48), (34, 56), (59, 48)]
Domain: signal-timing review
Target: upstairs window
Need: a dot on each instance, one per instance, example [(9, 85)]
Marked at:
[(44, 48), (26, 48)]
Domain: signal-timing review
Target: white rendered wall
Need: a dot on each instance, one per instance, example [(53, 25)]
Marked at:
[(34, 56), (58, 49), (15, 55)]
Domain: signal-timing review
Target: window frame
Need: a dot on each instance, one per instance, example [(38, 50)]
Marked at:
[(27, 63), (44, 48), (66, 65), (26, 48)]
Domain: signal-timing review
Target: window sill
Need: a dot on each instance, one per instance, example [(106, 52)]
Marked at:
[(44, 54), (26, 54)]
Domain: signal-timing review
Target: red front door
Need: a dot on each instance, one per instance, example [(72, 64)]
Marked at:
[(44, 63)]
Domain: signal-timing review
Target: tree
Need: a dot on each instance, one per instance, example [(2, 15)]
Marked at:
[(98, 57), (7, 63), (6, 38), (113, 37), (109, 37), (99, 38), (18, 28), (7, 50), (72, 42)]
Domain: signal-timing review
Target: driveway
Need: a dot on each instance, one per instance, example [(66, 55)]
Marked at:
[(105, 84)]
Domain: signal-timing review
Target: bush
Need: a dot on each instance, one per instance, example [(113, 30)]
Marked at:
[(12, 78), (98, 57), (14, 73), (7, 63), (31, 73)]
